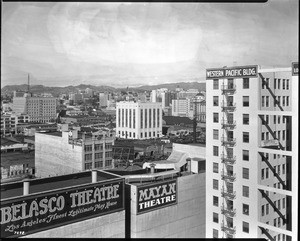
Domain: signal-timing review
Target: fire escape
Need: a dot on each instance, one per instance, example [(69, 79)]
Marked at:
[(228, 176)]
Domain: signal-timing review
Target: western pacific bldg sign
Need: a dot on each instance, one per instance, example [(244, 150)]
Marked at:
[(34, 213), (232, 72), (155, 196)]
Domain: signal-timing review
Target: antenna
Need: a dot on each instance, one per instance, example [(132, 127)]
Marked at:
[(28, 83)]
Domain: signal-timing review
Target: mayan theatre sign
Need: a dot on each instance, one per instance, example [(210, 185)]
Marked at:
[(33, 213), (158, 195)]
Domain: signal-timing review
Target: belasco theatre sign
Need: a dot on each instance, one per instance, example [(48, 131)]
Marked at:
[(34, 213), (158, 195), (232, 72)]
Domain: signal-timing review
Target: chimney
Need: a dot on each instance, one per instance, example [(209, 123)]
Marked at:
[(26, 184), (152, 168), (94, 176)]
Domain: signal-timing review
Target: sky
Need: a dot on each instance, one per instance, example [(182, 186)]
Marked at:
[(130, 44)]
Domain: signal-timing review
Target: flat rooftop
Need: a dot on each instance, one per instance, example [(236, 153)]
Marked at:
[(40, 185), (16, 157)]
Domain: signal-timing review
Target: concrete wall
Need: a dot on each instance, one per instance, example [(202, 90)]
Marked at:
[(191, 150), (54, 156), (186, 219), (108, 226)]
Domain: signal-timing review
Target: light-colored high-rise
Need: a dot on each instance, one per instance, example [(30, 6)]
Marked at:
[(39, 109), (138, 120), (252, 152)]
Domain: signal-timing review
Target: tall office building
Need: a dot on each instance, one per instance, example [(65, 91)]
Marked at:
[(182, 107), (103, 98), (138, 120), (252, 153), (39, 109)]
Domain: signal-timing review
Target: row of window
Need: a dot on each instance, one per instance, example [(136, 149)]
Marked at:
[(97, 147), (277, 204), (277, 83), (245, 207), (89, 157), (99, 164), (245, 226), (276, 119), (277, 169), (246, 102), (277, 100), (246, 83)]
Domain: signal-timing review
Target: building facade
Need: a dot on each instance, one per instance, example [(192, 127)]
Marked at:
[(138, 120), (182, 107), (251, 139), (65, 152), (40, 109), (10, 121)]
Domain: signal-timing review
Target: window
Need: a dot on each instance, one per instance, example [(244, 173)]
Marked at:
[(246, 119), (245, 191), (278, 83), (215, 218), (88, 148), (215, 201), (108, 163), (274, 222), (216, 84), (278, 101), (98, 155), (245, 83), (283, 168), (215, 167), (246, 101), (215, 150), (216, 101), (287, 84), (283, 84), (245, 209), (275, 83), (262, 210), (245, 227), (267, 119), (262, 174), (287, 101), (279, 205), (88, 157), (267, 101), (267, 208), (262, 136), (263, 83), (283, 203), (215, 233), (267, 173), (215, 134), (283, 135), (99, 147), (245, 173), (87, 166), (246, 137), (274, 119), (262, 101), (215, 184), (245, 155), (283, 100), (98, 164), (215, 117), (267, 135)]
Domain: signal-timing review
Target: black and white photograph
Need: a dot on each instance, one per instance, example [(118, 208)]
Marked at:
[(163, 120)]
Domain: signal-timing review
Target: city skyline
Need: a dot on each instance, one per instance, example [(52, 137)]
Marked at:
[(141, 43)]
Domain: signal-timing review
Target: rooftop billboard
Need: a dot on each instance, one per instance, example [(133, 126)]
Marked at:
[(33, 213), (232, 72), (155, 196)]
